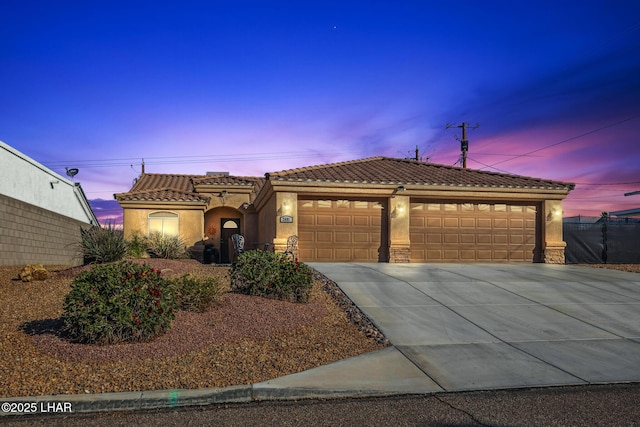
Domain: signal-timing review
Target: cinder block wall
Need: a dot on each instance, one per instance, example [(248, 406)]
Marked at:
[(32, 235)]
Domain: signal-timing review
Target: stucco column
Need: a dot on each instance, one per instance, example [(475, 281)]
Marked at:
[(399, 239), (286, 209), (552, 232)]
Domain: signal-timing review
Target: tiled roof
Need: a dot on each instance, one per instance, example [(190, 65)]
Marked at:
[(181, 188), (386, 170), (154, 181), (224, 179), (159, 187), (162, 195)]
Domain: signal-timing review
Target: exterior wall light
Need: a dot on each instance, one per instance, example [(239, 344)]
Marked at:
[(286, 207)]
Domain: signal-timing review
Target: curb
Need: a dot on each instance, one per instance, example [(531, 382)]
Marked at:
[(162, 399)]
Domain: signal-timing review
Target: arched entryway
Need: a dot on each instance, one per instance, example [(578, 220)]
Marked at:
[(219, 224)]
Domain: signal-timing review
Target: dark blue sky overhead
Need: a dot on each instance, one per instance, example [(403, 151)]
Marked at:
[(251, 87)]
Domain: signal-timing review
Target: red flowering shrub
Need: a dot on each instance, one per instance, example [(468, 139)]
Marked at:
[(271, 275), (123, 302)]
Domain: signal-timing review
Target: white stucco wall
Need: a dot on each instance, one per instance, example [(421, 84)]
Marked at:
[(24, 179)]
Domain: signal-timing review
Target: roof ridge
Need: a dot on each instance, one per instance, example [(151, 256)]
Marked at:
[(188, 175), (322, 166), (149, 190), (246, 177)]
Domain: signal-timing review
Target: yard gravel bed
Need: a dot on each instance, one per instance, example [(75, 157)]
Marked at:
[(240, 340)]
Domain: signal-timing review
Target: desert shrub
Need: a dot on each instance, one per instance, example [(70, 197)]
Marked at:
[(271, 275), (102, 244), (169, 247), (195, 294), (121, 302), (137, 245)]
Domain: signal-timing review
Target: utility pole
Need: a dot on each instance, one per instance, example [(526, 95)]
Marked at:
[(464, 142)]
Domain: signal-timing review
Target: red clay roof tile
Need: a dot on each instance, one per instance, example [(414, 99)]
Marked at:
[(386, 170)]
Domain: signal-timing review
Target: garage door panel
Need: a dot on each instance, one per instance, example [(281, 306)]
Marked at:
[(451, 238), (483, 222), (500, 239), (418, 238), (342, 254), (417, 222), (468, 255), (359, 237), (361, 221), (499, 223), (305, 235), (467, 222), (342, 237), (516, 223), (451, 255), (306, 219), (324, 220), (434, 222), (484, 239), (468, 238), (361, 253), (342, 220), (466, 232), (324, 236), (434, 238), (500, 255), (451, 223)]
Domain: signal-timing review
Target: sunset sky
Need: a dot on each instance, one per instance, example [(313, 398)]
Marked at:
[(251, 87)]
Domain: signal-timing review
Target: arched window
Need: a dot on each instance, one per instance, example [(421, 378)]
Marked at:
[(165, 223), (230, 224)]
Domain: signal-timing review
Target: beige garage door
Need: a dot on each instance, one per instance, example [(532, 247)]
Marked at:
[(342, 230), (467, 232)]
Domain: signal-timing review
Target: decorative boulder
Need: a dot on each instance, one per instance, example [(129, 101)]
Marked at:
[(34, 272)]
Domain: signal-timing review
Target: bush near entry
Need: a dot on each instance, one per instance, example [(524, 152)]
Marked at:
[(193, 294), (271, 275), (123, 302)]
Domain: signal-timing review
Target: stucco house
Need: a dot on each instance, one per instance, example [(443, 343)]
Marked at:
[(376, 209), (41, 213)]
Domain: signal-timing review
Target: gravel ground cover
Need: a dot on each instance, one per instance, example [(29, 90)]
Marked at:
[(633, 268), (240, 340)]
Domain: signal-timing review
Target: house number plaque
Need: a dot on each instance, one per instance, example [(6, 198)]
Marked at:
[(286, 218)]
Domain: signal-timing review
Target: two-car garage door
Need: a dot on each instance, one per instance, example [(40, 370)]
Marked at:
[(468, 232), (440, 231)]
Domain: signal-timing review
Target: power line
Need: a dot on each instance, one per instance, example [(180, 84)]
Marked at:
[(212, 158), (567, 140)]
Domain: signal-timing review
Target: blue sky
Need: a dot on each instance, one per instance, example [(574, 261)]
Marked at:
[(251, 87)]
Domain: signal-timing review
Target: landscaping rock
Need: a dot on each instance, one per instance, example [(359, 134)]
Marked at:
[(33, 272)]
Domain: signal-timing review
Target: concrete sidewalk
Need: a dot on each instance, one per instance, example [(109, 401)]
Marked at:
[(453, 327)]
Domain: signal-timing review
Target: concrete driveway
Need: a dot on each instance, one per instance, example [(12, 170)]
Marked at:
[(486, 326)]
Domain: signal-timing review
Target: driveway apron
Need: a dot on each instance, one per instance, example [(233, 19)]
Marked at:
[(487, 326)]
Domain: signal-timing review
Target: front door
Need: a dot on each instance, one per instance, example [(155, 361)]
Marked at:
[(228, 227)]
